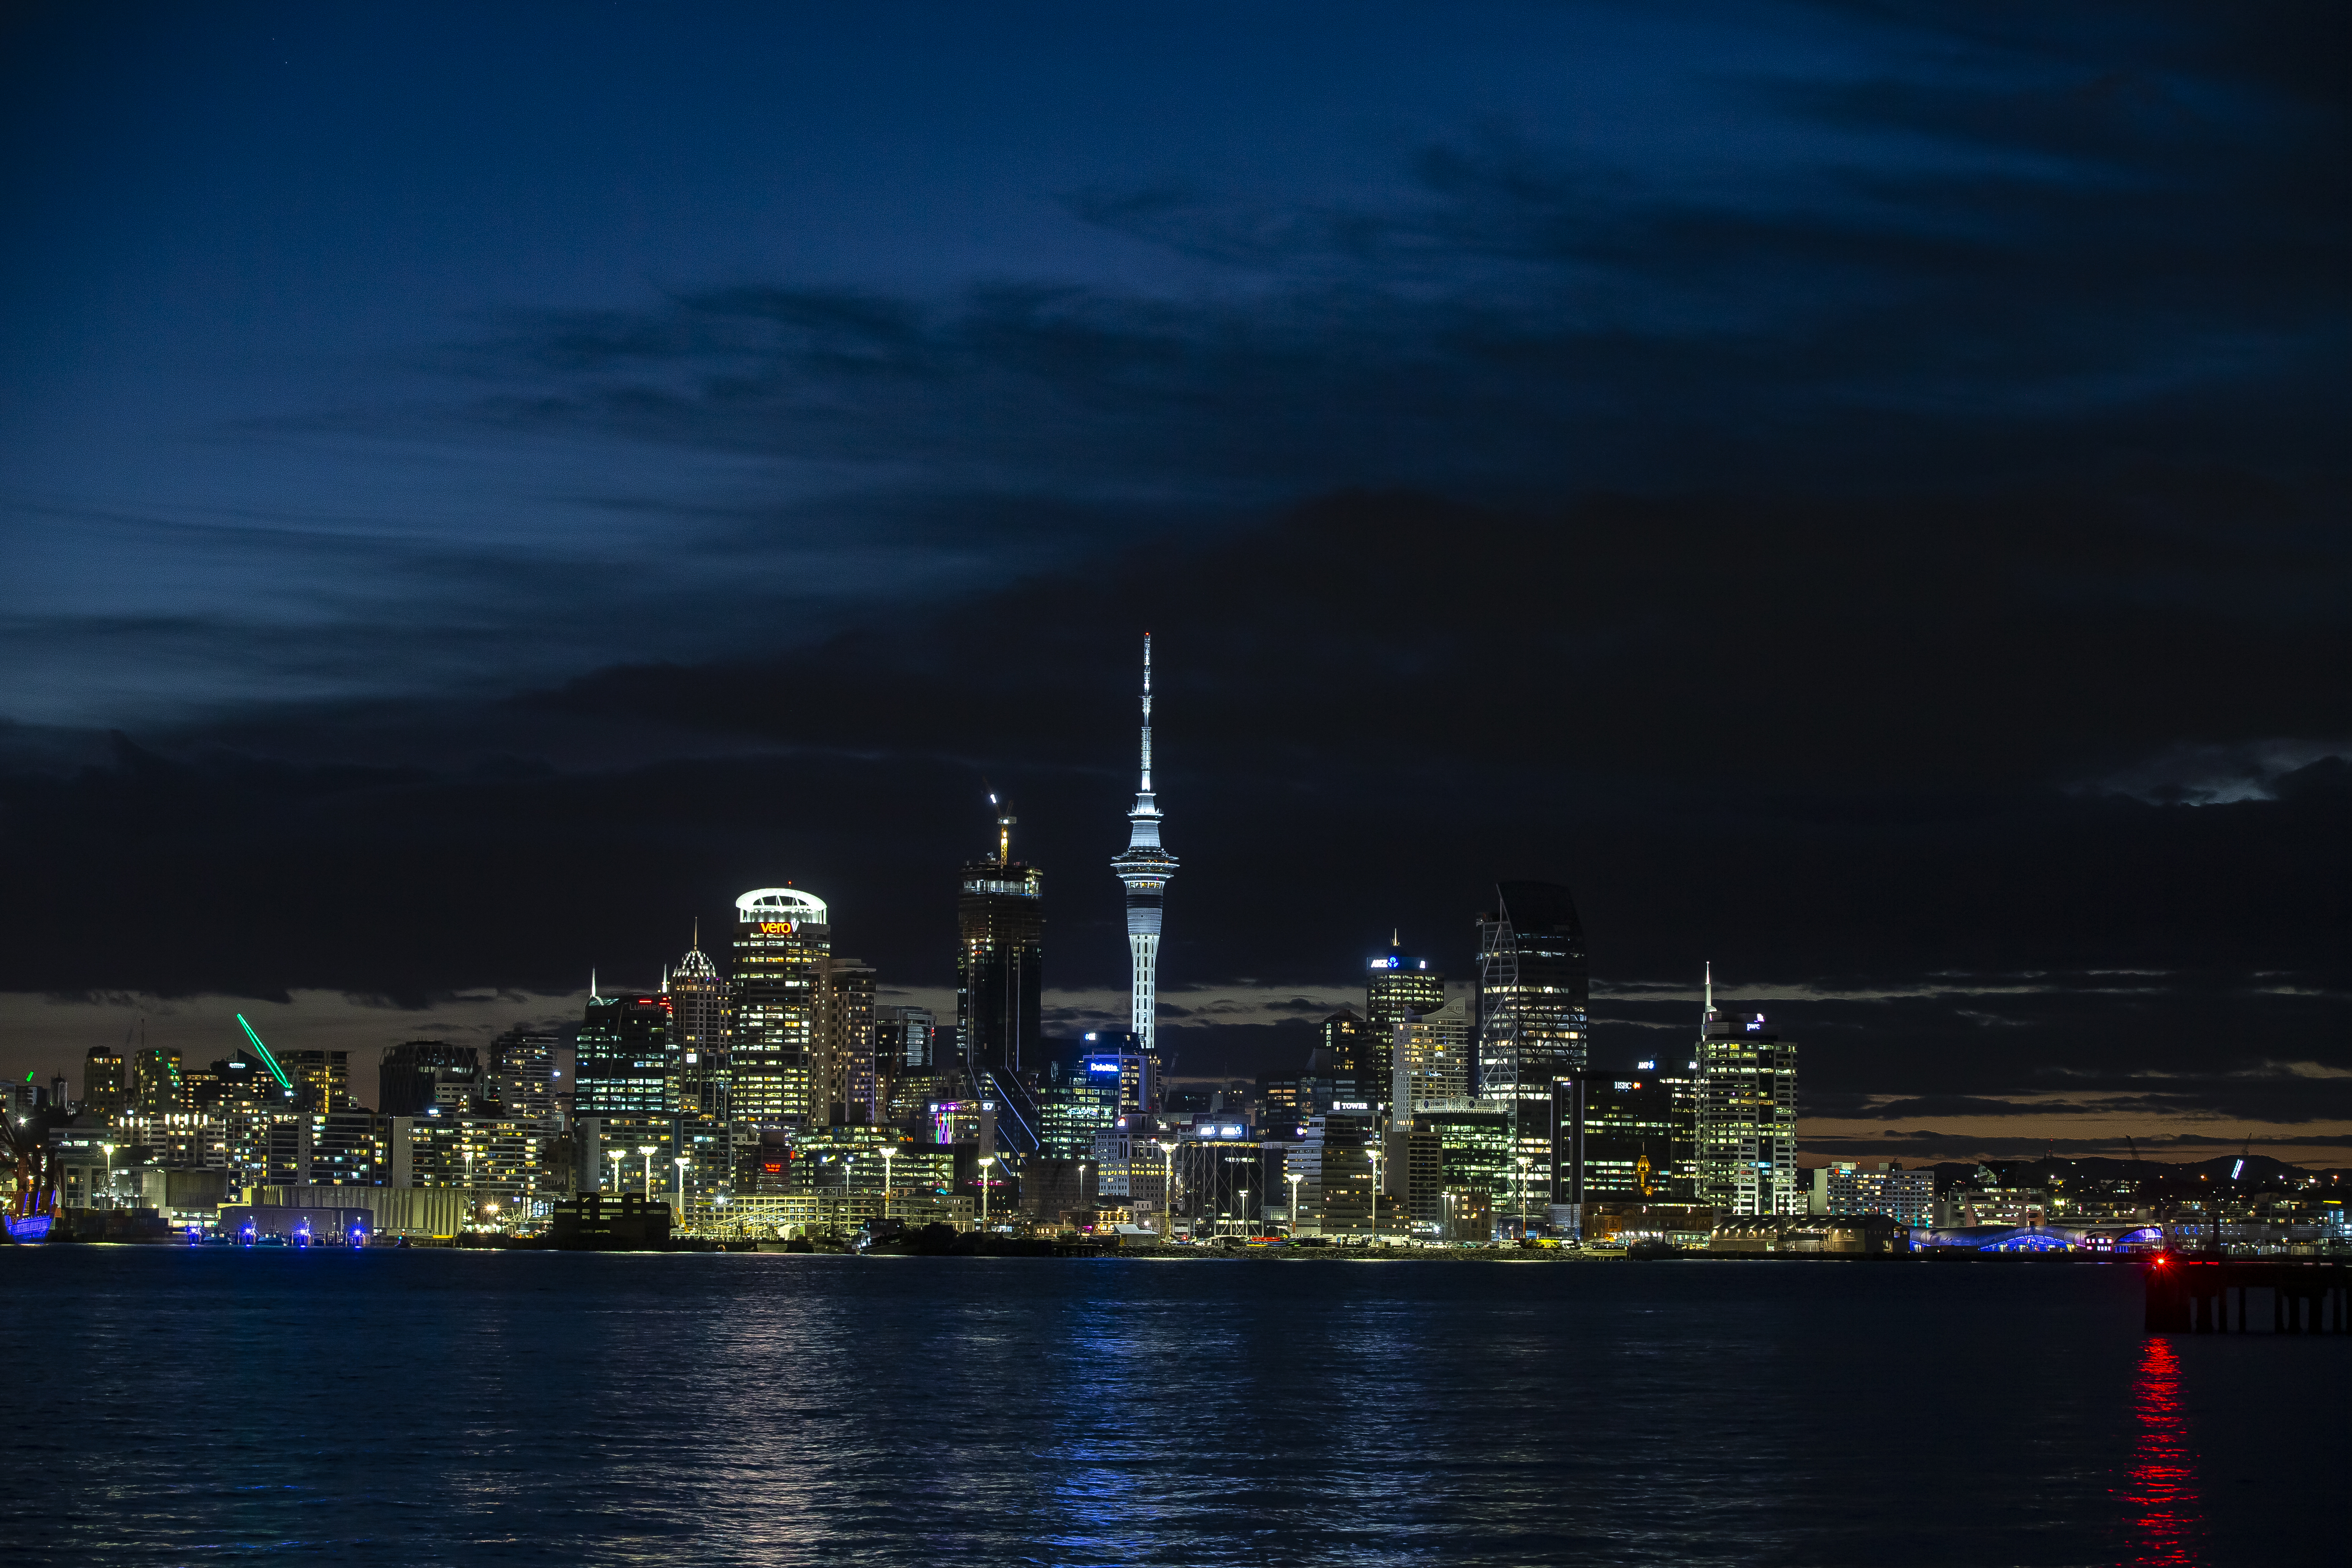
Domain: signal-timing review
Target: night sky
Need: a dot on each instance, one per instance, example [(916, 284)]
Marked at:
[(1856, 491)]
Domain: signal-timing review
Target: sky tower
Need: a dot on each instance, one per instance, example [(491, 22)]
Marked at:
[(1145, 868)]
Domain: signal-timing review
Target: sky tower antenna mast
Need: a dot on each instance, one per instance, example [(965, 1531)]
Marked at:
[(1145, 867)]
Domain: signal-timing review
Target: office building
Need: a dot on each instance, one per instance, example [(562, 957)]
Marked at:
[(621, 1065), (1622, 1138), (1397, 987), (1534, 990), (419, 1074), (1746, 1115), (782, 939), (1332, 1161), (1000, 959), (698, 1021), (1534, 1010), (1145, 866), (1345, 1043)]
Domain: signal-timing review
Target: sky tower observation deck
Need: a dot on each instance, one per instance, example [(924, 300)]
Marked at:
[(1145, 867)]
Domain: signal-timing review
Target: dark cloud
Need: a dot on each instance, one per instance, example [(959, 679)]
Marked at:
[(1910, 573)]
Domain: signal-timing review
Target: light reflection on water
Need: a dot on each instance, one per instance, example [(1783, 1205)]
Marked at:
[(184, 1406), (2162, 1490)]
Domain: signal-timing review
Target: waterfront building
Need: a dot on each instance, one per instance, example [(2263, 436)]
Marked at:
[(1907, 1198), (1621, 1138), (1145, 866), (784, 937), (417, 1074), (1334, 1164), (1414, 1178), (323, 1149), (1746, 1132), (621, 1065), (1000, 959), (1477, 1155), (698, 1021), (1087, 1103)]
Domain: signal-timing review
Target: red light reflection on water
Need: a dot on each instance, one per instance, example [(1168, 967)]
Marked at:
[(2169, 1524)]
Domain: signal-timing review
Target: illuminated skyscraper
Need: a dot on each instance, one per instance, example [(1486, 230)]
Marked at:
[(1145, 867), (1534, 1011), (782, 939), (623, 1065), (1399, 988), (1000, 995), (1534, 992), (697, 1013), (1746, 1115)]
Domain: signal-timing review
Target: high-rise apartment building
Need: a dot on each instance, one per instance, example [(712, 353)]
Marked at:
[(1746, 1115), (1145, 866), (852, 1088), (321, 1080), (1844, 1188), (105, 1080), (155, 1083), (621, 1065), (523, 1074), (782, 939), (1431, 1067), (1000, 959), (698, 1021)]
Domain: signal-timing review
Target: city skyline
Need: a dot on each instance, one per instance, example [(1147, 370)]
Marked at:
[(1855, 497)]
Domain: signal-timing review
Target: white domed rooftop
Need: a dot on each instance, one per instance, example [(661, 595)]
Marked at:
[(765, 904)]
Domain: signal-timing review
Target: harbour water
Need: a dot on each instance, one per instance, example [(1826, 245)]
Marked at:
[(189, 1406)]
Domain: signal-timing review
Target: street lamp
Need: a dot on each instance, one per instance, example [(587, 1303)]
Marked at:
[(649, 1151), (889, 1154), (985, 1161), (1294, 1178), (1376, 1195), (110, 1173), (681, 1162), (620, 1170), (1523, 1197), (1245, 1223)]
